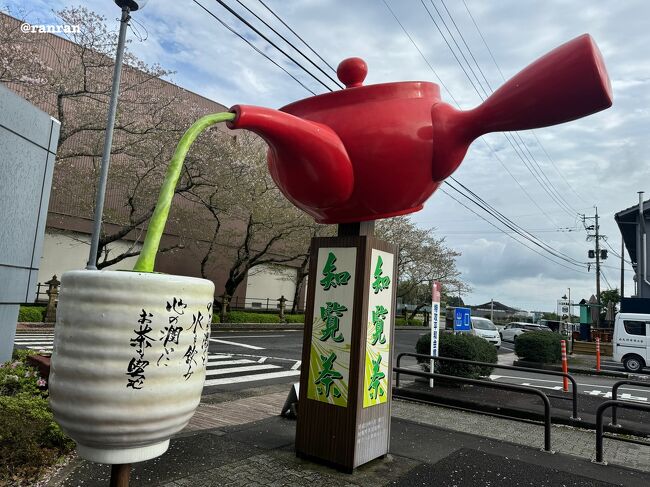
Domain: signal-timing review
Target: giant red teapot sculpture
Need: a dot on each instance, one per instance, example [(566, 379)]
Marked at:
[(369, 152)]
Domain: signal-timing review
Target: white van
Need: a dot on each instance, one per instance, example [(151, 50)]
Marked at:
[(631, 341)]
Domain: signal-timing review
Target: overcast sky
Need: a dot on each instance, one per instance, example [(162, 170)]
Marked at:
[(599, 160)]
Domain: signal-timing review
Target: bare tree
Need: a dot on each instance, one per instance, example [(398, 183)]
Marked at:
[(423, 258), (75, 88)]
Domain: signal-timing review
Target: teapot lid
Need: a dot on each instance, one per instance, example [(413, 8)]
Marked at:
[(351, 72)]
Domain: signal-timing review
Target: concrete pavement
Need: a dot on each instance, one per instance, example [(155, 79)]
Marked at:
[(239, 440)]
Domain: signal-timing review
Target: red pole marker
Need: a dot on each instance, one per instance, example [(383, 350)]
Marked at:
[(565, 366), (597, 354)]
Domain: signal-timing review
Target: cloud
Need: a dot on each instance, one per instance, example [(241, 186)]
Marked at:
[(600, 160)]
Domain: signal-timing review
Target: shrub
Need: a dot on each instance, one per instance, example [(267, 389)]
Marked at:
[(16, 377), (297, 318), (539, 346), (246, 317), (462, 346), (216, 318), (32, 314), (406, 322), (30, 439)]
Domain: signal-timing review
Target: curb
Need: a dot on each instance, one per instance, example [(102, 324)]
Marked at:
[(256, 326)]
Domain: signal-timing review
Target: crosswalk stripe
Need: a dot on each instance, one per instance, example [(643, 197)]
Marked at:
[(229, 362), (236, 344), (234, 370), (41, 348), (251, 378), (219, 355), (32, 342)]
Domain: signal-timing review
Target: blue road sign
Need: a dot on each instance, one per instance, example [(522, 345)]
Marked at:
[(462, 320)]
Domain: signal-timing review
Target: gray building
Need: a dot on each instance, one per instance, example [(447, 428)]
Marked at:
[(634, 223), (28, 142)]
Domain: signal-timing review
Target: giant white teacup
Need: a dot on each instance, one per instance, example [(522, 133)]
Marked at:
[(128, 365)]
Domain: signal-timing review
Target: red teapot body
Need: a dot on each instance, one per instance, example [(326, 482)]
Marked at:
[(370, 152)]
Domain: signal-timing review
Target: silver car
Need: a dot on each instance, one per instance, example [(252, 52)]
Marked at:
[(484, 328), (514, 329)]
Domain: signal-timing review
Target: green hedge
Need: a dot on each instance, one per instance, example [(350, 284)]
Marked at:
[(539, 346), (297, 318), (462, 346), (32, 314), (406, 322), (247, 317)]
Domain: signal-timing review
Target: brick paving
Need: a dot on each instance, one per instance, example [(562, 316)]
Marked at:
[(564, 439)]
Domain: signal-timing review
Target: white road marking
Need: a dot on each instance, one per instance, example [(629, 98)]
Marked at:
[(41, 348), (218, 356), (33, 342), (219, 363), (251, 378), (630, 397), (234, 370), (506, 348), (495, 377), (553, 388), (262, 360), (245, 345), (253, 336), (296, 365)]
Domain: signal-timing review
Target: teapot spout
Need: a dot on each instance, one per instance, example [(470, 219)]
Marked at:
[(568, 83), (306, 159)]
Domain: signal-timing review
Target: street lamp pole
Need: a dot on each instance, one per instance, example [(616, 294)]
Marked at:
[(108, 139)]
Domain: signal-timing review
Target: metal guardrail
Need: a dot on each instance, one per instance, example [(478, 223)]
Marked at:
[(615, 388), (574, 385), (494, 385), (599, 420)]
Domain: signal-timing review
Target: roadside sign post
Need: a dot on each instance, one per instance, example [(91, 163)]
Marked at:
[(435, 323), (565, 367), (462, 319), (598, 354)]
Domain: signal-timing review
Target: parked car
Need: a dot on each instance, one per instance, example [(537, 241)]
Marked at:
[(484, 328), (631, 341), (514, 329)]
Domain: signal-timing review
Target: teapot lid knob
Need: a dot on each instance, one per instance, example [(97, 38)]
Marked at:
[(352, 71)]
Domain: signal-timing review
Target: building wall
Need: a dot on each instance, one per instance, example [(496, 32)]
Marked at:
[(270, 281), (66, 250)]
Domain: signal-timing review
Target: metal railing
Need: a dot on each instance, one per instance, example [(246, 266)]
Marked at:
[(494, 385), (259, 304), (615, 388), (574, 385), (599, 421)]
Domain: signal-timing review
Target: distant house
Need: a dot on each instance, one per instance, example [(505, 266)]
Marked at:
[(498, 311)]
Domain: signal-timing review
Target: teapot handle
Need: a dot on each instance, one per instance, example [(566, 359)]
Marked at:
[(567, 83)]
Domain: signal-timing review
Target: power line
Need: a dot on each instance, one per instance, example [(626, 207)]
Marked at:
[(484, 205), (509, 235), (483, 139), (254, 29), (510, 224), (259, 51), (504, 79), (295, 34), (528, 159), (336, 82)]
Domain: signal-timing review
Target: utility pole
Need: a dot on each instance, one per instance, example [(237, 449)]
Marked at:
[(597, 269), (597, 253), (492, 309)]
